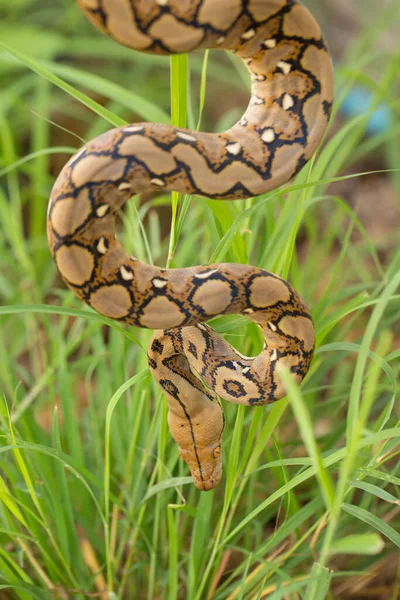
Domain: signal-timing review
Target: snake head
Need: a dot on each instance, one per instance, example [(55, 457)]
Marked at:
[(205, 464)]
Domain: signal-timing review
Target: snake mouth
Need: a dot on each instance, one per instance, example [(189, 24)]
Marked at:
[(205, 480), (205, 464), (206, 486)]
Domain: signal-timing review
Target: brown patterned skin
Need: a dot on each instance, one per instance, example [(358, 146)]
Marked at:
[(292, 92)]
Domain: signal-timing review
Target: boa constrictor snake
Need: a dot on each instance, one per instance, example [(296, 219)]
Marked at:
[(291, 98)]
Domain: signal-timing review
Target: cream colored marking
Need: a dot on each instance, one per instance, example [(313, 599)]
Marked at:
[(243, 355), (49, 207), (77, 155), (144, 273), (268, 136), (220, 40), (162, 2), (124, 186), (206, 274), (288, 102), (126, 274), (270, 43), (257, 101), (246, 370), (247, 35), (102, 210), (274, 355), (159, 283), (115, 257), (201, 326), (111, 301), (234, 148), (75, 263), (272, 326), (101, 246), (248, 311), (285, 67), (158, 182), (236, 365), (133, 128), (186, 136)]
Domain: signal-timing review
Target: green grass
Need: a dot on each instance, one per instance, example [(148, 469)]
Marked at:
[(92, 492)]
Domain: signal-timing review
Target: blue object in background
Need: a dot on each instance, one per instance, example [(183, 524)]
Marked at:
[(358, 102)]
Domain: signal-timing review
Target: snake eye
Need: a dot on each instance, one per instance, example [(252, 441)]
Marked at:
[(217, 452)]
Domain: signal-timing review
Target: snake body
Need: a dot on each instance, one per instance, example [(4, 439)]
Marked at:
[(291, 98)]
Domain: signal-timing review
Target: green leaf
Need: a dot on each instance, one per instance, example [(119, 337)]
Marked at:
[(305, 424), (364, 544), (373, 521), (374, 490), (43, 72), (319, 582), (166, 484), (328, 461)]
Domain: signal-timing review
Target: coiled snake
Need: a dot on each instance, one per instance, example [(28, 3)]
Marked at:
[(291, 98)]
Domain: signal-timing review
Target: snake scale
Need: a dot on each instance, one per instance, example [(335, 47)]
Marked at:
[(291, 99)]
